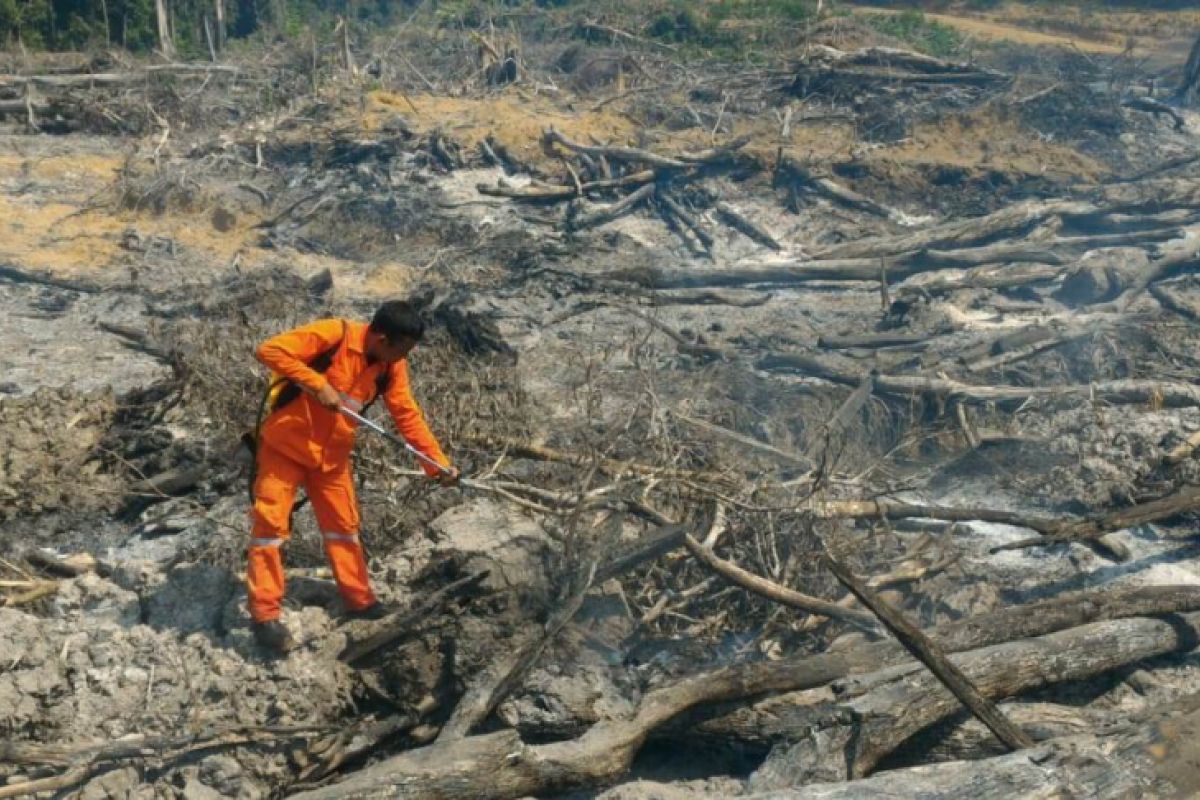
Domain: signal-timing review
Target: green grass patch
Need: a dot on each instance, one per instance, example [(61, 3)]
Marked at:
[(729, 28), (923, 35)]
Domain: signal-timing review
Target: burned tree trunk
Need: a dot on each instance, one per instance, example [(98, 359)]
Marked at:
[(1143, 761), (764, 722), (1189, 84), (934, 659), (848, 737), (165, 42), (220, 16), (500, 765)]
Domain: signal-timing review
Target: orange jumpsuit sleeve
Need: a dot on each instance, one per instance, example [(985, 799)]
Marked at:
[(288, 353), (409, 419)]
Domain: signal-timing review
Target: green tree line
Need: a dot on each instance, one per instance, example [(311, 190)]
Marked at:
[(133, 24)]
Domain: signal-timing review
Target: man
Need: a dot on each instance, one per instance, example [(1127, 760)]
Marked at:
[(306, 440)]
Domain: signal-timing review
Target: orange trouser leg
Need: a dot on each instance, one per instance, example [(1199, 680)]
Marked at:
[(332, 494), (274, 492)]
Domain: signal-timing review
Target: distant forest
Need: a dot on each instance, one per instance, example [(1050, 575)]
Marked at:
[(189, 26), (134, 24)]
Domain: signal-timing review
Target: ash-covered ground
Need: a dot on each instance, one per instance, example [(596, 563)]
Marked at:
[(692, 332)]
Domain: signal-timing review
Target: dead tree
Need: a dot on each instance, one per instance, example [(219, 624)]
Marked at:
[(219, 6), (1189, 83), (165, 42)]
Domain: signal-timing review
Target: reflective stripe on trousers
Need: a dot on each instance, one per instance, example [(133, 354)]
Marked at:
[(331, 492)]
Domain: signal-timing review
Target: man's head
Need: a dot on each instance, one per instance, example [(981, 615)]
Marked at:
[(394, 331)]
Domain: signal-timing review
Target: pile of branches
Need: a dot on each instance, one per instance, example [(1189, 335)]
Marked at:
[(672, 186), (133, 101)]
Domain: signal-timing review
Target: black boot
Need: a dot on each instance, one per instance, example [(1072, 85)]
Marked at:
[(274, 636), (376, 610)]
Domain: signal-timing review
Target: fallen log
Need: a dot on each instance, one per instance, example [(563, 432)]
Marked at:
[(14, 275), (984, 630), (714, 297), (693, 224), (507, 672), (1011, 221), (852, 199), (779, 594), (898, 266), (71, 566), (1010, 349), (1151, 196), (828, 434), (783, 272), (1149, 759), (500, 765), (970, 739), (685, 230), (378, 635), (25, 106), (746, 441), (115, 78), (743, 224), (1173, 257), (1183, 450), (881, 508), (32, 591), (1170, 394), (522, 449), (996, 276), (138, 340), (720, 152), (649, 547), (535, 192), (1002, 253), (1173, 302), (613, 153), (613, 211), (872, 341), (907, 59), (827, 69), (171, 482), (1178, 502), (843, 737), (1118, 222), (1189, 82), (1010, 341), (836, 192), (30, 754), (925, 650), (1152, 106), (85, 760), (1158, 169)]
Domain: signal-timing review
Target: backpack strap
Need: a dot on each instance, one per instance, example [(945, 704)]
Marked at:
[(278, 394), (290, 390), (382, 381)]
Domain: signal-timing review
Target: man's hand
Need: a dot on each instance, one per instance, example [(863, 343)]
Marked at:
[(449, 476), (329, 398)]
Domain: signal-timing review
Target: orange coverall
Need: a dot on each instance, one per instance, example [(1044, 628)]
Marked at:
[(305, 443)]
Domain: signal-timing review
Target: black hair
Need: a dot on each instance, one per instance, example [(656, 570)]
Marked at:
[(396, 320)]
